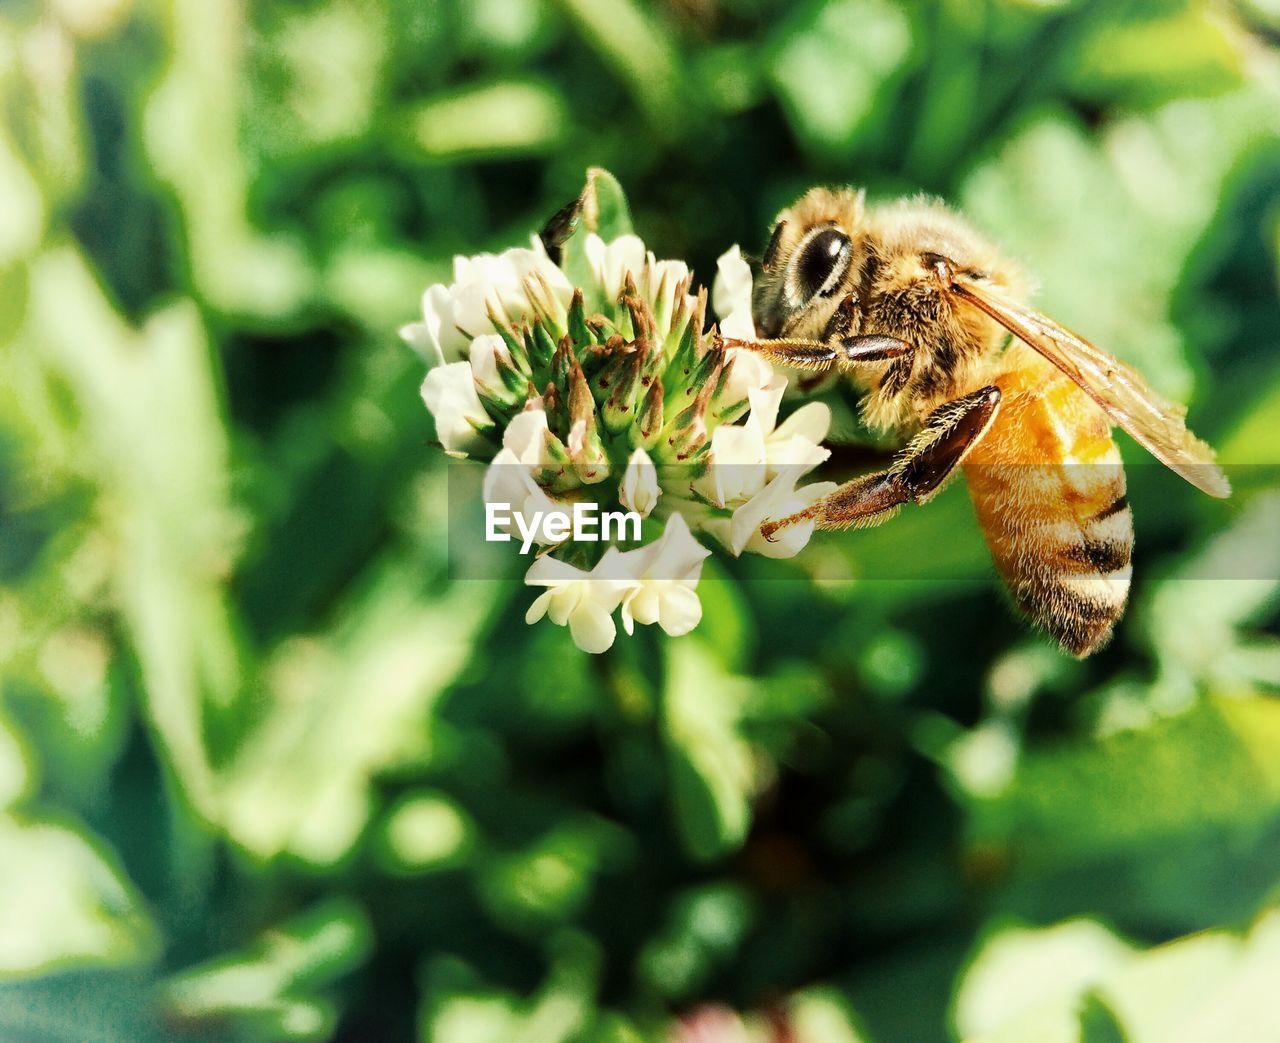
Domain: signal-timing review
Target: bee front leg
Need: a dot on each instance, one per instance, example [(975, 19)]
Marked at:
[(948, 435)]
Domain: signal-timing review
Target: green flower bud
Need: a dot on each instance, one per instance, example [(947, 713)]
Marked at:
[(645, 433)]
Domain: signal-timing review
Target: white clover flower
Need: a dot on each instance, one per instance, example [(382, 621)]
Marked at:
[(639, 490), (584, 601), (435, 338), (777, 500), (798, 442), (731, 298), (746, 456), (485, 353), (510, 482), (731, 295), (663, 280), (667, 571), (450, 394), (526, 437), (615, 392), (737, 467), (612, 262), (453, 315), (748, 372)]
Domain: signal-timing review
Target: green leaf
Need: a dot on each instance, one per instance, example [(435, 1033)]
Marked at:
[(344, 707), (604, 206), (552, 878), (1098, 1024), (712, 776), (424, 831), (726, 624), (636, 45), (83, 1005), (1218, 765), (822, 1015), (835, 66), (22, 221), (153, 438), (457, 1008), (1210, 986), (17, 767), (603, 212), (64, 903), (1253, 439), (1107, 223), (507, 118), (1203, 620), (704, 930), (1150, 61), (269, 988), (191, 126)]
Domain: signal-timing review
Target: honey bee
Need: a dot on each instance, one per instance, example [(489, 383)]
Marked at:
[(931, 322)]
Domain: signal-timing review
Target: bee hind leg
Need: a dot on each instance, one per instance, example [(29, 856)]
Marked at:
[(931, 458)]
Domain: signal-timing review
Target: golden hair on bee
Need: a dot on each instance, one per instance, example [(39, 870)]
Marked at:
[(932, 323)]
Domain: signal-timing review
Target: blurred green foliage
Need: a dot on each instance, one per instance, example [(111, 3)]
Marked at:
[(266, 772)]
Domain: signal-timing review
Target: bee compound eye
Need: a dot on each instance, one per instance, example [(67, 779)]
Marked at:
[(820, 264)]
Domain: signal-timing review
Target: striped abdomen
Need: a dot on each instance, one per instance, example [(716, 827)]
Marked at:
[(1049, 490)]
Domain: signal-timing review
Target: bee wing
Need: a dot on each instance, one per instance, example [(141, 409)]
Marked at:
[(1122, 393)]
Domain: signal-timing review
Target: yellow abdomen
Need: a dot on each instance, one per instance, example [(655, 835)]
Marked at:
[(1049, 490)]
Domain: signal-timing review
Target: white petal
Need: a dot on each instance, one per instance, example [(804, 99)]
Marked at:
[(419, 336), (509, 482), (680, 610), (737, 468), (811, 421), (561, 288), (593, 631), (639, 490), (484, 354), (793, 452), (472, 302), (611, 262), (449, 392), (435, 338), (539, 607), (677, 555), (614, 575), (564, 602), (749, 372), (765, 401), (643, 603), (526, 436), (731, 290), (797, 443), (738, 324), (549, 572), (777, 500)]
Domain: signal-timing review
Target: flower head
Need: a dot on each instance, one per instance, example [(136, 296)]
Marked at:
[(597, 381)]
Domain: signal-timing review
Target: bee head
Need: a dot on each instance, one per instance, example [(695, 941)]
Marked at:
[(813, 254)]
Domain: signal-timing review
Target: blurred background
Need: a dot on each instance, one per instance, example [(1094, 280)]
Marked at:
[(266, 773)]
